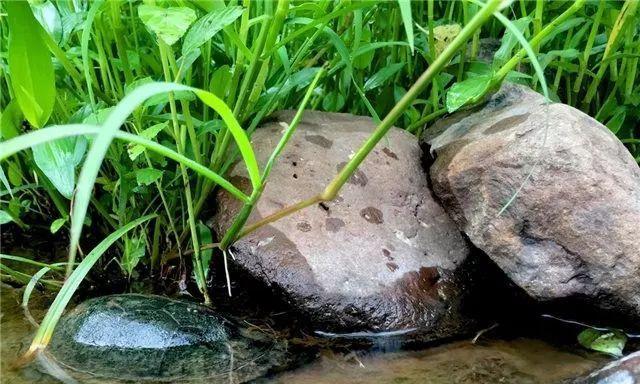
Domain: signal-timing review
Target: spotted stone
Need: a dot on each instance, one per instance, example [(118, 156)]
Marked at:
[(382, 256)]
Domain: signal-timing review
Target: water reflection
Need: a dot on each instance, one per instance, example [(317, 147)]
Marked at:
[(520, 360)]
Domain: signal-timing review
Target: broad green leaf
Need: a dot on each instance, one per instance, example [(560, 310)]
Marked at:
[(149, 133), (297, 81), (15, 174), (49, 18), (30, 66), (146, 176), (467, 91), (57, 224), (608, 341), (220, 80), (185, 62), (548, 57), (369, 47), (363, 57), (563, 27), (11, 121), (71, 21), (405, 12), (207, 26), (205, 256), (382, 75), (334, 101), (58, 161), (44, 333), (169, 24), (5, 217), (134, 251)]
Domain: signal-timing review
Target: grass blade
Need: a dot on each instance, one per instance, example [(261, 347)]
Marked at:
[(84, 48), (405, 11), (44, 333), (27, 293), (54, 132), (116, 118), (238, 133), (525, 45)]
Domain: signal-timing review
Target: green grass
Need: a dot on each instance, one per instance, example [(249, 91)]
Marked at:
[(133, 108)]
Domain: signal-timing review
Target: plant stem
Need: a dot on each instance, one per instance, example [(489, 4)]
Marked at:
[(240, 220), (199, 270), (331, 191), (535, 41)]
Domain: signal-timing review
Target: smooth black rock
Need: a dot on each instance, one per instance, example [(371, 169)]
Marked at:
[(144, 337)]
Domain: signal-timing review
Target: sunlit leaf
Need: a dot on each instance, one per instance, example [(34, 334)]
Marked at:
[(57, 224), (5, 217), (149, 133), (169, 24), (58, 161), (467, 91), (164, 98), (49, 18), (146, 176), (611, 342), (30, 65), (382, 75), (134, 251), (207, 26), (11, 120)]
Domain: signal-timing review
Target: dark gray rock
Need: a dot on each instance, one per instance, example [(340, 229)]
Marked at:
[(622, 371), (572, 231), (145, 337), (382, 256)]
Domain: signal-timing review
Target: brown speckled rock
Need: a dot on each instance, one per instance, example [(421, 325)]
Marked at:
[(572, 233), (382, 256)]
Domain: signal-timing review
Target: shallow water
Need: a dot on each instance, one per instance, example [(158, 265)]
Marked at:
[(519, 360)]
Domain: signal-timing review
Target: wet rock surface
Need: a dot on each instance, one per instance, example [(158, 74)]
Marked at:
[(622, 371), (571, 232), (382, 256), (135, 337)]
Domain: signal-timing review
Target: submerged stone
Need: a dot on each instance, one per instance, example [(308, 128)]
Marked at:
[(625, 370), (145, 337)]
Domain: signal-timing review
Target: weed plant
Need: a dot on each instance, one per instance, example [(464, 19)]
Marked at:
[(120, 118)]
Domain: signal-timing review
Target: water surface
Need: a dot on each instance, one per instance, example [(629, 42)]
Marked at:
[(490, 360)]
